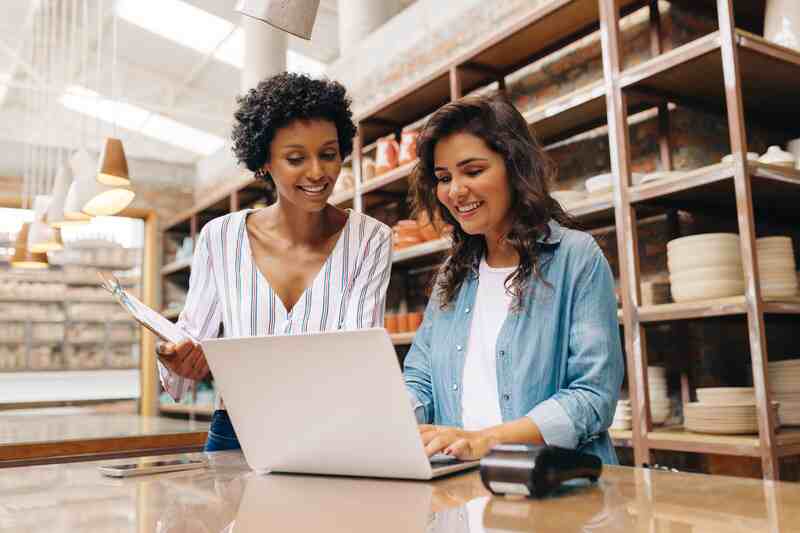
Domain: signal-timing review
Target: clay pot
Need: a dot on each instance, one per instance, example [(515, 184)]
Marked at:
[(408, 146), (414, 320), (386, 157), (390, 322), (402, 323)]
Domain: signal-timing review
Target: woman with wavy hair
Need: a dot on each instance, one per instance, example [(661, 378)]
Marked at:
[(300, 265), (520, 341)]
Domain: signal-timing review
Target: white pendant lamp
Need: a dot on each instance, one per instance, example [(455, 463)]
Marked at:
[(24, 258), (292, 16), (113, 164), (41, 237), (56, 216), (92, 197)]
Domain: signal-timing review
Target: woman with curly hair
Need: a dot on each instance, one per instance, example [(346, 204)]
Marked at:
[(300, 265), (520, 341)]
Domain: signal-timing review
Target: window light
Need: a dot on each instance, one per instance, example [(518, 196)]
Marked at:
[(140, 120)]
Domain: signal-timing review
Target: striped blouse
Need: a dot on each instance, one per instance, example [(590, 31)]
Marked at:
[(226, 288)]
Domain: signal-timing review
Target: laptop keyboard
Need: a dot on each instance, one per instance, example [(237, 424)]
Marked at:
[(440, 459)]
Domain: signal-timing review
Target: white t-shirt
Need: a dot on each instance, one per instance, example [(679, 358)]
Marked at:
[(480, 404)]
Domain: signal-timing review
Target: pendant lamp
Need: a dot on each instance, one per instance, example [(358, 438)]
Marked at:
[(56, 215), (113, 168), (41, 237), (24, 258), (92, 197), (292, 16)]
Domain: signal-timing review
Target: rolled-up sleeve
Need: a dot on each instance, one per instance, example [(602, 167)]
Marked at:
[(200, 317), (417, 367), (585, 406)]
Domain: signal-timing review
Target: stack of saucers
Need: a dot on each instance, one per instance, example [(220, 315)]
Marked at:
[(724, 411), (705, 266), (776, 266), (622, 416), (660, 404), (784, 384)]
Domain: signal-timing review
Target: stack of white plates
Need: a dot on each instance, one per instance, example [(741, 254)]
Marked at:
[(660, 404), (784, 384), (776, 265), (705, 266), (724, 411), (567, 197), (604, 184), (622, 416)]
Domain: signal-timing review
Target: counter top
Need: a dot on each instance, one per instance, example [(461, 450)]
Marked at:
[(53, 438), (229, 498)]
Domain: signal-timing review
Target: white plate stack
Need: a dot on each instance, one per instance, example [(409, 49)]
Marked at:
[(777, 267), (784, 384), (705, 266), (660, 404), (622, 416), (724, 411)]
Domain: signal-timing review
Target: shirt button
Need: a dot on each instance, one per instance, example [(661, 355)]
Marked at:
[(467, 310), (506, 397), (502, 353), (459, 347), (455, 386)]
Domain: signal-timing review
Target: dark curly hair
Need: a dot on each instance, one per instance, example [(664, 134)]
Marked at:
[(529, 169), (281, 99)]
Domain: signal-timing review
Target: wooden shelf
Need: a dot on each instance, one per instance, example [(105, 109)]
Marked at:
[(538, 32), (734, 305), (597, 210), (184, 409), (676, 438), (578, 111), (420, 251), (181, 266), (770, 78), (394, 180), (403, 339), (341, 199), (775, 188), (622, 438)]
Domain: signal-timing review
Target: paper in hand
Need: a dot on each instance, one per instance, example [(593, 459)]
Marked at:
[(143, 314)]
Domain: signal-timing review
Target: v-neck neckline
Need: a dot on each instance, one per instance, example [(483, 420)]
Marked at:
[(263, 278)]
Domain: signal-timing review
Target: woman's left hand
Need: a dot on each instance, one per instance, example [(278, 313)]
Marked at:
[(461, 444)]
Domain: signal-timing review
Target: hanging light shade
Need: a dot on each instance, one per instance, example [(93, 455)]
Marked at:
[(92, 197), (23, 257), (292, 16), (56, 215), (113, 168), (41, 237)]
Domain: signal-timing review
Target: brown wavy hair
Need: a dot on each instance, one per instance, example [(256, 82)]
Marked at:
[(530, 171)]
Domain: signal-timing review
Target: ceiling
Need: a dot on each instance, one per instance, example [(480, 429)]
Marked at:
[(153, 72)]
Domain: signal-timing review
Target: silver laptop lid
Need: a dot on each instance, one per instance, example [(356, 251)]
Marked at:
[(323, 403)]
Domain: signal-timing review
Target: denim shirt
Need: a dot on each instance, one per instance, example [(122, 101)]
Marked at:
[(559, 358)]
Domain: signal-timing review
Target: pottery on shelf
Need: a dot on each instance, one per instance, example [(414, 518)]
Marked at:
[(751, 156), (775, 156), (782, 23)]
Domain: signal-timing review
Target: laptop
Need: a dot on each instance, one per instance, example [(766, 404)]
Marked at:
[(330, 403)]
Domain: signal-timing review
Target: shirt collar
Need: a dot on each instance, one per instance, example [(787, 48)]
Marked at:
[(556, 232)]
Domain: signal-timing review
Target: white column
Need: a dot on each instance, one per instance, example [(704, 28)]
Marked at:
[(359, 18), (264, 52)]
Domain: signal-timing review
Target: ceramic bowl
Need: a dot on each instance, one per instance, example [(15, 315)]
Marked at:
[(775, 156), (727, 273), (706, 290), (703, 238), (751, 156)]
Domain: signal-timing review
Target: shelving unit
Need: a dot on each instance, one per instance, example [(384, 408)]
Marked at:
[(739, 71)]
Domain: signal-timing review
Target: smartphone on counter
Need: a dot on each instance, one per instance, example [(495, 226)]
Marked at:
[(150, 465)]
